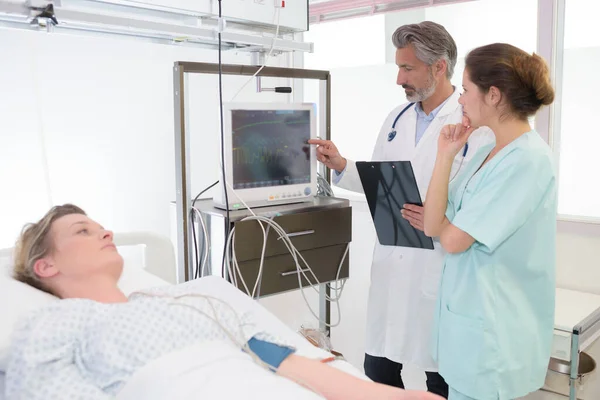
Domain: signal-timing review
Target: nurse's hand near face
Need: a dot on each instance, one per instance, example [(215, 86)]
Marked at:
[(454, 137)]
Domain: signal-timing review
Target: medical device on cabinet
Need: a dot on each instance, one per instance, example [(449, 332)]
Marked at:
[(268, 160), (277, 235), (271, 225)]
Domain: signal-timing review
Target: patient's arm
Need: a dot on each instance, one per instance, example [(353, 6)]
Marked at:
[(334, 384), (50, 380), (42, 362)]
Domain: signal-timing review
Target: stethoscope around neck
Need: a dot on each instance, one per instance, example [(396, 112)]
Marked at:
[(393, 133)]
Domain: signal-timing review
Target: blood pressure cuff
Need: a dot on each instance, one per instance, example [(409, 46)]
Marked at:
[(270, 353)]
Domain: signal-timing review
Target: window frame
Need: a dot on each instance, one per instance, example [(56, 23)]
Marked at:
[(551, 45)]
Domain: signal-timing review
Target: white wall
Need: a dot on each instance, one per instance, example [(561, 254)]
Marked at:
[(347, 43), (578, 257), (395, 20), (579, 137), (99, 111)]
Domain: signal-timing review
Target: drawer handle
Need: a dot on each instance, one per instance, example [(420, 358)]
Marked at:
[(301, 233), (294, 272)]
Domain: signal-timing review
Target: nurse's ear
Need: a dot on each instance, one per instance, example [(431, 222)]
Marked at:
[(494, 97)]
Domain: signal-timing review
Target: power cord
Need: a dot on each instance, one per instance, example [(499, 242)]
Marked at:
[(202, 192), (224, 180), (230, 259), (228, 244), (236, 336), (229, 233), (196, 258), (297, 256), (200, 266), (323, 187), (234, 270), (205, 236)]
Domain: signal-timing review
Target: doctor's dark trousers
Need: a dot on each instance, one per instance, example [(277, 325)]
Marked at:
[(388, 372)]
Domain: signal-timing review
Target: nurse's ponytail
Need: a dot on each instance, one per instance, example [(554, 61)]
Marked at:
[(533, 72), (522, 78)]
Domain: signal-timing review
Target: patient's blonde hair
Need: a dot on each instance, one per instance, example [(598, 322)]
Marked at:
[(35, 243)]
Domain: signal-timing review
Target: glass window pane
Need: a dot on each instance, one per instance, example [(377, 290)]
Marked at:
[(477, 23), (346, 43), (348, 48), (579, 138), (363, 72)]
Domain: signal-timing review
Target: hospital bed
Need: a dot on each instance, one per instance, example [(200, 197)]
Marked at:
[(576, 330), (144, 252)]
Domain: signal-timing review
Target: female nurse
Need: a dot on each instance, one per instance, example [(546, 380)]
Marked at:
[(497, 222)]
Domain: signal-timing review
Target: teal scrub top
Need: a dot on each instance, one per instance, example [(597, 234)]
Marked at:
[(495, 314)]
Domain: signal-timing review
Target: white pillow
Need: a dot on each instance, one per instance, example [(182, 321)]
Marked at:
[(18, 299)]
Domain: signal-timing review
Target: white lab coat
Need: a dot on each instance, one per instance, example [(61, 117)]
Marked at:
[(404, 281)]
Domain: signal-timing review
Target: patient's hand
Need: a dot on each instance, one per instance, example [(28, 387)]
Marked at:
[(334, 384)]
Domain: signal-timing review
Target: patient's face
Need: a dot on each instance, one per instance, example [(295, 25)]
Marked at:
[(82, 249)]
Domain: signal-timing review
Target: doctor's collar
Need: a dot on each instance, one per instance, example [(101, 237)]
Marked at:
[(421, 114)]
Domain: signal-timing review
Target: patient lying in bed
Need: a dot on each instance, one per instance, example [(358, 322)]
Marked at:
[(80, 346), (89, 344)]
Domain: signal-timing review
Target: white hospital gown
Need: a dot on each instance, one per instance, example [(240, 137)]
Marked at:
[(82, 349)]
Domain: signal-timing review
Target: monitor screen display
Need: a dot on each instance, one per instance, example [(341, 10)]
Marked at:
[(270, 147)]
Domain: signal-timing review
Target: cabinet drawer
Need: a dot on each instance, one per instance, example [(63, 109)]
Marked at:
[(279, 272), (308, 230)]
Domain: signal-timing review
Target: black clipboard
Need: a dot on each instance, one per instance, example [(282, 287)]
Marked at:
[(388, 185)]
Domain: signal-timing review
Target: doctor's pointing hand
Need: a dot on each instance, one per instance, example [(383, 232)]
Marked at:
[(328, 154)]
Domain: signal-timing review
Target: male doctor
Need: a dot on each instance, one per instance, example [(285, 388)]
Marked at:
[(404, 281)]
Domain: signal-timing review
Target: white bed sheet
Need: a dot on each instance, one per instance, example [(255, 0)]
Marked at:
[(187, 374), (210, 371)]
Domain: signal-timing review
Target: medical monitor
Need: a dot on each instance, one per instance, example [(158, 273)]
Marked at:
[(268, 160)]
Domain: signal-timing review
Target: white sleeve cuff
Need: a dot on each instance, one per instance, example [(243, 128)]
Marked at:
[(337, 176)]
